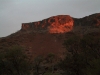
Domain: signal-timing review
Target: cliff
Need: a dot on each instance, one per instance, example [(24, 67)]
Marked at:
[(63, 24), (55, 24)]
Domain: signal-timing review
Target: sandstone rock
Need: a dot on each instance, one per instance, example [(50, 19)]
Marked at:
[(55, 24), (63, 24)]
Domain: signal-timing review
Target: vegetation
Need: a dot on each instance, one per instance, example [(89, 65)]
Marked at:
[(14, 62), (82, 57)]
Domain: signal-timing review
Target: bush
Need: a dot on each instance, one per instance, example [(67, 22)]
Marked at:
[(14, 62), (82, 57)]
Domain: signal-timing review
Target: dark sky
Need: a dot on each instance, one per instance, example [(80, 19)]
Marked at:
[(15, 12)]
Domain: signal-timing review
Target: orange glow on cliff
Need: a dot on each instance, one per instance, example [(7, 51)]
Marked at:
[(61, 28), (55, 24)]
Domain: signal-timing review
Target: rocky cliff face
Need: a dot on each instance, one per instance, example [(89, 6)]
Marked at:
[(55, 24), (64, 23)]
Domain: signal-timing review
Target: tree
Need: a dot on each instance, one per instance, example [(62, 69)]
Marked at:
[(50, 60), (80, 56), (2, 64), (90, 46), (73, 64), (94, 69), (37, 65), (72, 44), (50, 57), (40, 64), (15, 61)]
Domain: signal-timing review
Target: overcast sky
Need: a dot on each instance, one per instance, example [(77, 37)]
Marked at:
[(15, 12)]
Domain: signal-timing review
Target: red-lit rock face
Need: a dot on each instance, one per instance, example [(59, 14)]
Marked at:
[(61, 24), (55, 24)]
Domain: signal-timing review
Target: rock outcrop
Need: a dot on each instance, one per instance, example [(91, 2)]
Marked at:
[(64, 23), (55, 24)]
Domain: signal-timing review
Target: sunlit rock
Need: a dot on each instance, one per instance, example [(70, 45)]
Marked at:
[(55, 24)]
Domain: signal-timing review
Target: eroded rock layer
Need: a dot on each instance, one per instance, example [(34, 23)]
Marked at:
[(55, 24)]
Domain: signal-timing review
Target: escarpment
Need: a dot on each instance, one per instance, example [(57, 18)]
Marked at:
[(65, 23), (55, 24)]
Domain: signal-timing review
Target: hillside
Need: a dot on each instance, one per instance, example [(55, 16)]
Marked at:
[(47, 36)]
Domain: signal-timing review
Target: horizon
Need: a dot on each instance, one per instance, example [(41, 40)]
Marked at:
[(14, 12)]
